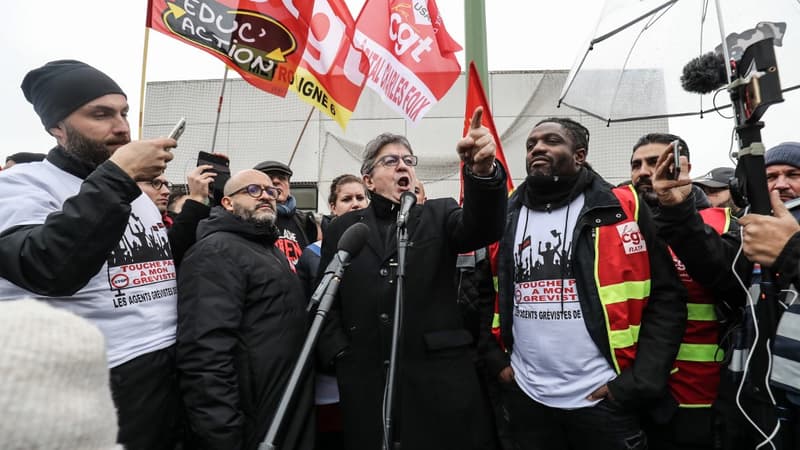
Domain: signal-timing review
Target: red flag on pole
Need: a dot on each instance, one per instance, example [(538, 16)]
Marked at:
[(332, 71), (409, 68), (263, 43), (446, 43), (476, 96)]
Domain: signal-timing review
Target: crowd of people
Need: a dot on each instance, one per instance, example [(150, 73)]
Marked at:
[(567, 314)]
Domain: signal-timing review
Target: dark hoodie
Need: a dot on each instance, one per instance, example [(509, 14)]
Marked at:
[(241, 325)]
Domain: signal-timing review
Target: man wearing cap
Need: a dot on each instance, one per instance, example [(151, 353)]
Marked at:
[(297, 229), (715, 185), (77, 232)]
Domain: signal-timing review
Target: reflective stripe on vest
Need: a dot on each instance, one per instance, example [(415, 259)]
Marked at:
[(694, 381), (622, 278)]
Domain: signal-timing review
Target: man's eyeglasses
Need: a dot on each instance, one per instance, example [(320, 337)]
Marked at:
[(157, 184), (255, 191), (394, 160)]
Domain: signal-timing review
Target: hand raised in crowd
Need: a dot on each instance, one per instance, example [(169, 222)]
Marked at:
[(764, 237), (146, 159), (477, 148), (199, 182), (669, 191)]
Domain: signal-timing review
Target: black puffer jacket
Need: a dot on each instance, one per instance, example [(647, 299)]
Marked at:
[(241, 324)]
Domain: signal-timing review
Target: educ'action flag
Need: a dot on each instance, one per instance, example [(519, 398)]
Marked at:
[(411, 56), (262, 41), (332, 71)]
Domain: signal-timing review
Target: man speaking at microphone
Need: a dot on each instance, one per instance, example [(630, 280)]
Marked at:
[(437, 399)]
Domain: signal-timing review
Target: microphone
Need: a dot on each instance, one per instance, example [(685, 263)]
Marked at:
[(407, 200), (350, 244), (704, 74)]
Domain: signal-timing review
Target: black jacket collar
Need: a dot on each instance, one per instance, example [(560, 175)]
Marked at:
[(70, 163)]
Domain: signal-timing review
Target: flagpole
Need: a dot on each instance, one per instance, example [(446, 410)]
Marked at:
[(219, 109), (475, 34), (302, 132), (142, 84)]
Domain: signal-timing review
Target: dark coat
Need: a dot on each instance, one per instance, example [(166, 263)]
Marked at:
[(663, 320), (706, 255), (241, 324), (437, 393), (183, 232)]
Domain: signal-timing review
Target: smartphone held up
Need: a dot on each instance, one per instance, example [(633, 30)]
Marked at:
[(178, 129), (220, 164), (675, 173)]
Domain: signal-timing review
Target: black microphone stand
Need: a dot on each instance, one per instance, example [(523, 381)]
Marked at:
[(311, 339), (388, 401)]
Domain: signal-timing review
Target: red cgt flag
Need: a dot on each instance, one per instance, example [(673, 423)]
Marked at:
[(476, 96), (262, 41), (411, 56), (332, 71)]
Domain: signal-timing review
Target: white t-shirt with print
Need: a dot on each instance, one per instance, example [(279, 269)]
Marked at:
[(133, 298), (555, 361)]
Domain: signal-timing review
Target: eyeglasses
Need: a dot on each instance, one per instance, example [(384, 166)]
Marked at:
[(158, 184), (255, 191), (394, 160)]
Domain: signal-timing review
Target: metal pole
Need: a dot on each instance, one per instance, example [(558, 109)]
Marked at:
[(724, 41), (219, 109), (397, 336), (299, 138), (475, 34)]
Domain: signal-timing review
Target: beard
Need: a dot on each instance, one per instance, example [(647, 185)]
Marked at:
[(87, 149), (557, 165), (645, 189), (256, 216)]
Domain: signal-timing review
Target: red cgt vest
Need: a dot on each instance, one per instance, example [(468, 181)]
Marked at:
[(622, 276), (694, 380)]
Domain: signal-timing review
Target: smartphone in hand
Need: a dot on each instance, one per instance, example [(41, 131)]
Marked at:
[(221, 166), (676, 159), (178, 129)]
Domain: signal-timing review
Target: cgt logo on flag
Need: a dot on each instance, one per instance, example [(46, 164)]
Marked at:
[(632, 239), (408, 67), (261, 44)]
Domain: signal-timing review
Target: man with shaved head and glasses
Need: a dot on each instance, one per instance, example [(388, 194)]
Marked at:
[(241, 324), (437, 395)]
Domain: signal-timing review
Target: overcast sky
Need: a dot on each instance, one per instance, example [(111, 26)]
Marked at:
[(109, 34)]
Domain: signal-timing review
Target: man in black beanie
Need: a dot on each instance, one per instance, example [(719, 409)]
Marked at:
[(76, 232)]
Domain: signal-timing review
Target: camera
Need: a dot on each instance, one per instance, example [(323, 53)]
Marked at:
[(755, 83)]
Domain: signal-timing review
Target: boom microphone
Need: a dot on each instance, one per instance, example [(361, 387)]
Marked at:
[(350, 244), (704, 74), (407, 200)]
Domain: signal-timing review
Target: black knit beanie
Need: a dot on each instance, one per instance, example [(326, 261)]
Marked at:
[(60, 87)]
